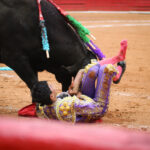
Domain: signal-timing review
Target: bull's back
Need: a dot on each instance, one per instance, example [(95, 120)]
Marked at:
[(66, 46), (20, 34)]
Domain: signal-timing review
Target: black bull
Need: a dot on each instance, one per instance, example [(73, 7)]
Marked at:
[(21, 46)]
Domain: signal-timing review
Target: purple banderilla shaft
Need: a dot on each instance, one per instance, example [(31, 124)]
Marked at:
[(96, 50)]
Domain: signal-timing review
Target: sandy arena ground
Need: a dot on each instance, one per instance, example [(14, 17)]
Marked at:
[(130, 99)]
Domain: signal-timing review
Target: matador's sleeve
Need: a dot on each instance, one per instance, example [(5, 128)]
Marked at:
[(87, 107), (73, 109)]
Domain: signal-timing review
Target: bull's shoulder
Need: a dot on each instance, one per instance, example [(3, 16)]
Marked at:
[(15, 3)]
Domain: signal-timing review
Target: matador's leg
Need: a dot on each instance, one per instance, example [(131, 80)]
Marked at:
[(88, 80), (104, 80), (119, 57), (121, 67)]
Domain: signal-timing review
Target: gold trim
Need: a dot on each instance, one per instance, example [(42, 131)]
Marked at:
[(65, 110), (88, 99)]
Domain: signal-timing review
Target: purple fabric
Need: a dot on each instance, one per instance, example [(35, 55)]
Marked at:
[(94, 101), (83, 111), (96, 50), (99, 88), (100, 79), (88, 84)]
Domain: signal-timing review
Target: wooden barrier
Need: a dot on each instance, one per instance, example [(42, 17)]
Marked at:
[(36, 134)]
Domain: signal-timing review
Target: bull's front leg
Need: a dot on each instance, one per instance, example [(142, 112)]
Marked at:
[(64, 77), (39, 89)]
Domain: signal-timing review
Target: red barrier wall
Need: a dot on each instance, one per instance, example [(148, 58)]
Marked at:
[(36, 134), (107, 5)]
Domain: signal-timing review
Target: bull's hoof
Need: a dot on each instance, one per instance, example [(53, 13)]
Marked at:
[(121, 64)]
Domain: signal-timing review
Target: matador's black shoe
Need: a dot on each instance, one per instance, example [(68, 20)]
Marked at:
[(118, 77)]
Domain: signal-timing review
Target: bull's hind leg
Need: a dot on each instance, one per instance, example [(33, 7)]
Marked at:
[(39, 90)]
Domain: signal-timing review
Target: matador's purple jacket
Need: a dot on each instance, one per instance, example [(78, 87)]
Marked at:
[(92, 105)]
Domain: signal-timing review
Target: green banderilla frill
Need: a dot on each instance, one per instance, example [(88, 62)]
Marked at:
[(82, 31)]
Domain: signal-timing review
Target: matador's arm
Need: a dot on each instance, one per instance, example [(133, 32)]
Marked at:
[(75, 85)]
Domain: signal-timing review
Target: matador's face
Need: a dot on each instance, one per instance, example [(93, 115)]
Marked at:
[(53, 94)]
